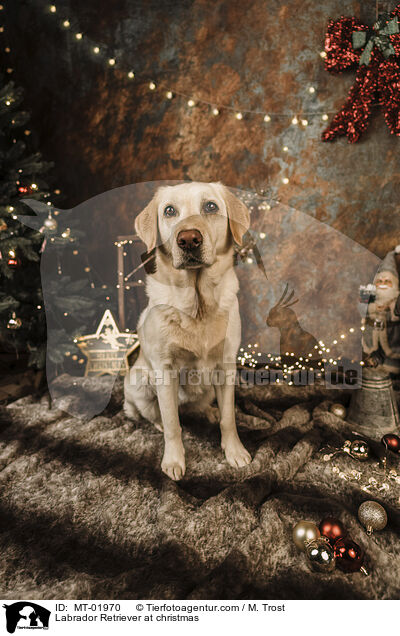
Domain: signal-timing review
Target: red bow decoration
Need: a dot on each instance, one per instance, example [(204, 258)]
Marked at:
[(378, 73)]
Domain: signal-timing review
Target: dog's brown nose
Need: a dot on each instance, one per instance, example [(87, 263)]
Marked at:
[(189, 239)]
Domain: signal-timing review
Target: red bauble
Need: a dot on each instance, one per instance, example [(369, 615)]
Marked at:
[(332, 528), (392, 442), (349, 555), (13, 262)]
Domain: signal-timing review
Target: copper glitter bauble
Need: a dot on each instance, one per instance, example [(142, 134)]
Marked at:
[(349, 556), (332, 529), (391, 442), (373, 516), (320, 555)]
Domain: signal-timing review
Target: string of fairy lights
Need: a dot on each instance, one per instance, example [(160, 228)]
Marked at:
[(250, 356), (299, 118)]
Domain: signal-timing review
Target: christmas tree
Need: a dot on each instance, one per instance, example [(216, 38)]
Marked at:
[(22, 320), (73, 303)]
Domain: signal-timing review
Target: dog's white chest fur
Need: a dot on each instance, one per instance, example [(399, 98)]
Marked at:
[(193, 319)]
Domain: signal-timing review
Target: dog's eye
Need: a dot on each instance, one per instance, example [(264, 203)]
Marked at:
[(170, 211), (210, 207)]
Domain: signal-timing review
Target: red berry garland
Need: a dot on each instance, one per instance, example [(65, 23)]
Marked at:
[(376, 51)]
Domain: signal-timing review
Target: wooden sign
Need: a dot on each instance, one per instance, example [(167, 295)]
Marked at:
[(106, 350)]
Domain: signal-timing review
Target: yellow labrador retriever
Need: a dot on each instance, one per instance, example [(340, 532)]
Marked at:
[(192, 321)]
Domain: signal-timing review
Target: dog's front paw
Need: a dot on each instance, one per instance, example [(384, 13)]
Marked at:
[(173, 462), (235, 453)]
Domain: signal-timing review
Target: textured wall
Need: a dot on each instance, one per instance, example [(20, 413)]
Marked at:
[(104, 131)]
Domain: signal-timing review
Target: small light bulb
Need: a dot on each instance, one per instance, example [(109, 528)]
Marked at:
[(262, 235), (323, 54), (190, 103), (8, 103), (267, 118), (78, 36), (53, 8), (215, 112), (66, 24), (311, 90), (34, 186), (239, 116), (10, 208), (152, 86), (324, 117), (169, 95), (285, 180), (304, 122), (131, 74), (285, 148), (111, 61), (96, 50), (295, 121), (11, 253)]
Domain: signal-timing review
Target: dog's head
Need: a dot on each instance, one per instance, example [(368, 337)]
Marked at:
[(193, 223)]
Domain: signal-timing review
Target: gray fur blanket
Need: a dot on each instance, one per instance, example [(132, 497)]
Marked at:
[(85, 511)]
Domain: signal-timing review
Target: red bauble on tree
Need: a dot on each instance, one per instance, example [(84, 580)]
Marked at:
[(13, 261), (25, 190), (376, 51), (332, 529)]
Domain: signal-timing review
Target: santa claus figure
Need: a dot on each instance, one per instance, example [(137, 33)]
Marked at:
[(381, 336)]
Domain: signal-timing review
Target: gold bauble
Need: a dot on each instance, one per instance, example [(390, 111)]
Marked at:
[(373, 516), (303, 532), (338, 410)]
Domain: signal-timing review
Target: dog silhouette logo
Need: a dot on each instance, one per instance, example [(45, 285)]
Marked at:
[(26, 615)]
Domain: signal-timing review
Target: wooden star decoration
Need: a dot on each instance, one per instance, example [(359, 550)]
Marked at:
[(107, 349)]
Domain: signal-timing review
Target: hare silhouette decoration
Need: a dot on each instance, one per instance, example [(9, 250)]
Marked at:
[(295, 342)]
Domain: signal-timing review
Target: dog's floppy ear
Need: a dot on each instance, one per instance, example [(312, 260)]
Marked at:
[(238, 216), (146, 224)]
